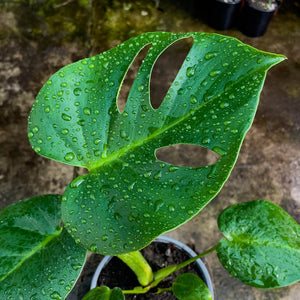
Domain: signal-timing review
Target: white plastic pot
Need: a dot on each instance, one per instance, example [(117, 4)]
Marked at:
[(164, 239)]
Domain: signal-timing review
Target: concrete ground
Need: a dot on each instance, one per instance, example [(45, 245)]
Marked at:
[(39, 38)]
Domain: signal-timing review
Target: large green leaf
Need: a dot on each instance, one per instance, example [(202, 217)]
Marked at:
[(262, 245), (130, 197), (38, 259)]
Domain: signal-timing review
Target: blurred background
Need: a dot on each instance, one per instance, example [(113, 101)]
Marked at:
[(39, 37)]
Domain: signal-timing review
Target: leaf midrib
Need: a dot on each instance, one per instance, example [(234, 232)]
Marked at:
[(125, 149), (94, 166), (40, 246)]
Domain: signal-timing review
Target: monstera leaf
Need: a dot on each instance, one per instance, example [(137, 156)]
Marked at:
[(130, 197), (38, 258)]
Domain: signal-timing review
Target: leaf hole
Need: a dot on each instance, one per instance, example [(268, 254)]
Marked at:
[(166, 68), (130, 76), (185, 155)]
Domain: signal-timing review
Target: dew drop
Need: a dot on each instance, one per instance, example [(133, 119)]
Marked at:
[(175, 187), (204, 82), (206, 140), (65, 131), (173, 169), (224, 105), (77, 91), (190, 71), (97, 141), (210, 55), (81, 122), (77, 182), (180, 91), (87, 111), (69, 156), (123, 134), (147, 174), (35, 129), (93, 248), (61, 282), (158, 204), (30, 134), (66, 117), (214, 73), (193, 99), (171, 208), (219, 151), (158, 175), (47, 109), (76, 267), (55, 295), (141, 88)]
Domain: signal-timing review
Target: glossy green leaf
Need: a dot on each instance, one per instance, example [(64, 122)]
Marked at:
[(189, 286), (262, 245), (104, 293), (38, 259), (130, 197)]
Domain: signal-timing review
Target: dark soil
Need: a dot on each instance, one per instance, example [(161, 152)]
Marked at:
[(159, 255)]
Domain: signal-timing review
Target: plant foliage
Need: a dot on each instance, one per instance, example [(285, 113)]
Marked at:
[(39, 259), (262, 244), (130, 197)]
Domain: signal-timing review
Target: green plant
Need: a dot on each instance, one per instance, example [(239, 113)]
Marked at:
[(129, 197)]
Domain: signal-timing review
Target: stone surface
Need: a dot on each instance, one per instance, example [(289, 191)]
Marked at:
[(39, 38)]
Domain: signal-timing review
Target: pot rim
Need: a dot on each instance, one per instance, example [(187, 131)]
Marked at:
[(278, 4), (230, 3), (164, 239)]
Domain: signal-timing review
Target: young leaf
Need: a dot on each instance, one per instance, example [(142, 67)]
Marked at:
[(262, 245), (104, 293), (188, 286), (130, 197), (39, 259)]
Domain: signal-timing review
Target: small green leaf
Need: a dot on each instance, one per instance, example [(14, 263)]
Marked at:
[(262, 245), (130, 197), (38, 258), (104, 293), (189, 286)]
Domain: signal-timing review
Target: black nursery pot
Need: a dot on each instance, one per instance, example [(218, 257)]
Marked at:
[(222, 15), (199, 265), (254, 21)]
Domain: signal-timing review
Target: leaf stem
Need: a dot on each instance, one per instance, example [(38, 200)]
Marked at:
[(192, 259), (138, 264), (159, 290)]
